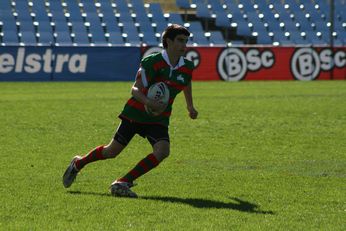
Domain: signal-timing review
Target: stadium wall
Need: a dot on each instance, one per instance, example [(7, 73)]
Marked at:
[(68, 63), (212, 63)]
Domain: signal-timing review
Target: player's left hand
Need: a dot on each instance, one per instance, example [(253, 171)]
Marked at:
[(193, 113)]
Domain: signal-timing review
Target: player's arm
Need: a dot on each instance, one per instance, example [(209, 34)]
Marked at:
[(193, 113), (137, 92)]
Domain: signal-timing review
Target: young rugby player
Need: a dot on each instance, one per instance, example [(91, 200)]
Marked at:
[(169, 67)]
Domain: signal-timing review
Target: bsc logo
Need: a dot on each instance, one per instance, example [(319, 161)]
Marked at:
[(233, 63), (306, 63)]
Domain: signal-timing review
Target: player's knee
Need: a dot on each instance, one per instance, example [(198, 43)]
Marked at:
[(165, 154), (110, 152), (161, 150), (162, 153)]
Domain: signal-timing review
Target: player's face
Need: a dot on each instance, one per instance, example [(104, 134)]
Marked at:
[(178, 45)]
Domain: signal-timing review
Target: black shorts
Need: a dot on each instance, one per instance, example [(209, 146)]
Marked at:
[(153, 132)]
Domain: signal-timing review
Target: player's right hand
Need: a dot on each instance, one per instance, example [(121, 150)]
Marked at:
[(157, 106)]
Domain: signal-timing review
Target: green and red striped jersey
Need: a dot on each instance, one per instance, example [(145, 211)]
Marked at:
[(156, 68)]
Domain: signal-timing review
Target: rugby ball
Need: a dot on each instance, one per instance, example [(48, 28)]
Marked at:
[(159, 92)]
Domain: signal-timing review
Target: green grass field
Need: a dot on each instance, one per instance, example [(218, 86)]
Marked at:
[(261, 156)]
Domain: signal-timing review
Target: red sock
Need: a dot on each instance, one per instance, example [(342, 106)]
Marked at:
[(94, 155), (144, 166)]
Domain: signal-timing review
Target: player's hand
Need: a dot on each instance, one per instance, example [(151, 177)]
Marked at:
[(193, 113), (156, 105)]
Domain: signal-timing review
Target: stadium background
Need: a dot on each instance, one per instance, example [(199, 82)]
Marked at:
[(231, 40)]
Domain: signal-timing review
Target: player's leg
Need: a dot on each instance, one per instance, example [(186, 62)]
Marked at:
[(159, 139), (100, 153), (161, 150), (121, 187), (123, 135)]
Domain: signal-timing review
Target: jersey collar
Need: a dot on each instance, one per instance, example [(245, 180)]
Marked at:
[(165, 57)]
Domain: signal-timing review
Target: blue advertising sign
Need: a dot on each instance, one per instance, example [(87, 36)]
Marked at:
[(68, 63)]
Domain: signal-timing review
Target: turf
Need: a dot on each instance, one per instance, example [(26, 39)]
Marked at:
[(261, 156)]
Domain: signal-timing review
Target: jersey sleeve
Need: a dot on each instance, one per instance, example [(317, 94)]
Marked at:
[(147, 70), (189, 68)]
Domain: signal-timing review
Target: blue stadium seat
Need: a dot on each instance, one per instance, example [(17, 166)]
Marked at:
[(79, 27), (258, 26), (26, 26), (310, 36), (133, 39), (109, 18), (297, 38), (216, 6), (243, 29), (74, 11), (183, 4), (261, 4), (129, 27), (200, 39), (44, 26), (290, 26), (196, 27), (138, 7), (124, 16), (22, 8), (45, 38), (132, 33), (237, 42), (253, 17), (304, 25), (216, 38), (149, 38), (10, 37), (89, 6), (142, 17), (175, 18), (122, 6), (157, 13), (112, 28), (97, 32), (81, 37), (115, 38), (9, 25), (61, 27), (160, 27), (202, 10), (280, 37), (62, 38), (321, 26), (92, 17), (28, 37), (263, 38), (41, 15), (55, 6), (234, 10), (222, 19), (146, 26), (79, 31)]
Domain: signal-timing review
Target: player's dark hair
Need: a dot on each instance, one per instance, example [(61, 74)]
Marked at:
[(172, 31)]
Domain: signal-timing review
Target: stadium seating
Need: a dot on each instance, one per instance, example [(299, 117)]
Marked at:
[(132, 22)]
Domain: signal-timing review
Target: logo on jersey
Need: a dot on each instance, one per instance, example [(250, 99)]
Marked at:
[(180, 78)]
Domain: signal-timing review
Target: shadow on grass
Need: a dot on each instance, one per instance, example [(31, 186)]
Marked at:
[(236, 204), (240, 205)]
